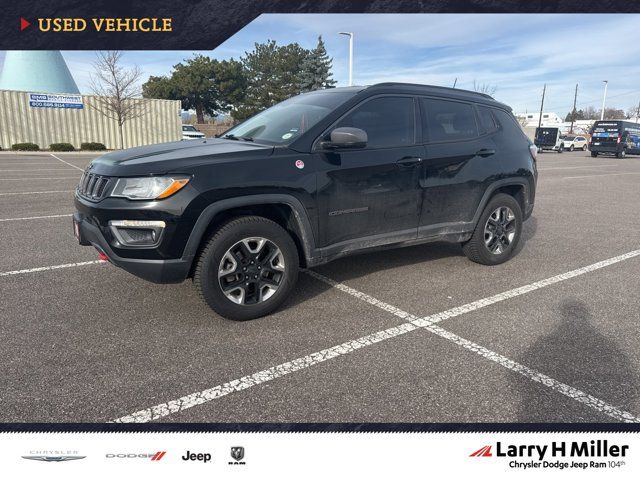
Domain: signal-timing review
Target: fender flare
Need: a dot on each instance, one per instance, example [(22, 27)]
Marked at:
[(300, 216), (506, 182)]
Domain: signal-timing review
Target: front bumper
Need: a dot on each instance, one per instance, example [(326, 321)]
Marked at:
[(156, 271)]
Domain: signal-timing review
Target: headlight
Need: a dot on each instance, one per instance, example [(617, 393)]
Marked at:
[(148, 188)]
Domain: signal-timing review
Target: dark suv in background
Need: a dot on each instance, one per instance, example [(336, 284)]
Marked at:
[(314, 178)]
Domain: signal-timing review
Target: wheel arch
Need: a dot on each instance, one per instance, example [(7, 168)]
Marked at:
[(285, 210), (515, 187)]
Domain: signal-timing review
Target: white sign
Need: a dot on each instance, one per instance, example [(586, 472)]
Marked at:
[(48, 100)]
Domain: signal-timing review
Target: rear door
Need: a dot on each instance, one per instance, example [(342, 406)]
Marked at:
[(457, 152), (372, 191)]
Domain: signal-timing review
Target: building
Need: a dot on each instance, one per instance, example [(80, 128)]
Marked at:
[(33, 71), (40, 103), (549, 119)]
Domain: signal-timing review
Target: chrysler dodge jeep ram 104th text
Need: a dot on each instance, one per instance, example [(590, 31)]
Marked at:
[(316, 177)]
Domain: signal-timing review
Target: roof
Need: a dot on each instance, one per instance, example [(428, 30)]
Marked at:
[(414, 88)]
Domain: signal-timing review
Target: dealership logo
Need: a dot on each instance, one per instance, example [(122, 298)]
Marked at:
[(196, 457), (155, 457), (53, 458), (237, 453), (483, 452), (53, 455)]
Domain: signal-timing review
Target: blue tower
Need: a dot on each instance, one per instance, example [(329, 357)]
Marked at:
[(36, 71)]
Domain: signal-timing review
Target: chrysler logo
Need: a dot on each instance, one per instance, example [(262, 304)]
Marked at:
[(53, 458)]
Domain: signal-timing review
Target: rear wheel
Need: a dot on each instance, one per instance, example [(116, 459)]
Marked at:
[(621, 154), (584, 147), (497, 232), (571, 148), (594, 154), (247, 268)]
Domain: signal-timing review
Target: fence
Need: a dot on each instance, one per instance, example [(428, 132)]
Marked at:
[(53, 122)]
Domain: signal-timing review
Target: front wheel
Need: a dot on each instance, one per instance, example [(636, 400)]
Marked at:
[(497, 232), (571, 148), (247, 268), (584, 147)]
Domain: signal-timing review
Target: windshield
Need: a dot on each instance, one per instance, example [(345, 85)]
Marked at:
[(188, 128), (569, 137), (287, 120)]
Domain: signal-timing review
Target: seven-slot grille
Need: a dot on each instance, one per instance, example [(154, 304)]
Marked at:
[(93, 186)]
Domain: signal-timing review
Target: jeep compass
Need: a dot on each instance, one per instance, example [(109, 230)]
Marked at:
[(316, 177)]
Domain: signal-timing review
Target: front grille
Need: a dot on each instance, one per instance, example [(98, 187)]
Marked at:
[(93, 186)]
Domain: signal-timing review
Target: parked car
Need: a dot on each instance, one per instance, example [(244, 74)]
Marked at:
[(575, 142), (616, 137), (548, 138), (316, 177), (189, 132)]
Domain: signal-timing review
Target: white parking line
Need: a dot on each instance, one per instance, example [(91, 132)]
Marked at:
[(35, 193), (51, 267), (602, 175), (428, 323), (39, 178), (34, 218), (32, 170), (70, 164), (586, 167)]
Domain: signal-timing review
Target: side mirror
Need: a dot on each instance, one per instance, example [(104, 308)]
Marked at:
[(346, 137)]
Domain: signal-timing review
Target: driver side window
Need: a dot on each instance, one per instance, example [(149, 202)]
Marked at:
[(388, 121)]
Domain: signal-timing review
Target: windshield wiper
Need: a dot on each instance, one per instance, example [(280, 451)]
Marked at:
[(231, 136)]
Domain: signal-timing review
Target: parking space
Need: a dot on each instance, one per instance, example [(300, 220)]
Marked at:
[(361, 339)]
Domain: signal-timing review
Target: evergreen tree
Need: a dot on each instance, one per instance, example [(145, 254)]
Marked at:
[(316, 69), (273, 75)]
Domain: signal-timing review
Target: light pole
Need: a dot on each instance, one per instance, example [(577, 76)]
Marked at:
[(350, 35), (604, 98)]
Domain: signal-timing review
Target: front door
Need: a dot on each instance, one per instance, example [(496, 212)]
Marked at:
[(370, 196)]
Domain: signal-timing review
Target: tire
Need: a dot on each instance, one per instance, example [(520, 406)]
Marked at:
[(594, 154), (477, 250), (621, 154), (585, 148), (239, 242), (560, 148), (571, 148)]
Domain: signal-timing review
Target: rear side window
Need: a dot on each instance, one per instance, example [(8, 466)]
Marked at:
[(487, 122), (508, 123), (446, 121), (388, 121)]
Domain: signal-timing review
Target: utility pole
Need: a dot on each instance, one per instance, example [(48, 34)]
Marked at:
[(604, 98), (573, 113), (638, 114), (455, 82), (542, 105)]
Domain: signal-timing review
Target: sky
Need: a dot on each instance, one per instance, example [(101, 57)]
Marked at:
[(516, 53)]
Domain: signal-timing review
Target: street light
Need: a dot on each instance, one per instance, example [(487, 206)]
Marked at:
[(350, 35), (604, 98)]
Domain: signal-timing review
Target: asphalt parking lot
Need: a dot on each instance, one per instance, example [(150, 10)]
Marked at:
[(419, 334)]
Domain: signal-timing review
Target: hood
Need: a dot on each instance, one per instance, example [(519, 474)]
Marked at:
[(176, 157)]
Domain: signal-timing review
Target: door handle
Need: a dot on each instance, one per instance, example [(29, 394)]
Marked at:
[(485, 152), (408, 161)]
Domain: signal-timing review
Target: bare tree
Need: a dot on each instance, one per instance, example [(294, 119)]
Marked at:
[(117, 89), (484, 88)]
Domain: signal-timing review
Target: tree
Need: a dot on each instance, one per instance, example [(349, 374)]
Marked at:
[(202, 84), (612, 114), (484, 88), (273, 75), (117, 90), (316, 69)]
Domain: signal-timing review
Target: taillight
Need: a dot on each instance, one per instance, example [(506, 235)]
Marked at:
[(619, 138), (533, 150)]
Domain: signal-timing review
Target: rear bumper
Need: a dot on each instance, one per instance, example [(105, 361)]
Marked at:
[(156, 271)]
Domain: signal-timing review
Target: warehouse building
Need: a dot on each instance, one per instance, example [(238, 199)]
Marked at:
[(40, 103)]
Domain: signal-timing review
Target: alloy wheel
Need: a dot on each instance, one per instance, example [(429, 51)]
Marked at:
[(251, 271), (500, 230)]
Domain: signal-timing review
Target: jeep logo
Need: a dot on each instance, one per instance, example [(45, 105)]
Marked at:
[(196, 457)]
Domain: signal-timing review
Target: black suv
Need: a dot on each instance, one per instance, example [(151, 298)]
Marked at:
[(316, 177)]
